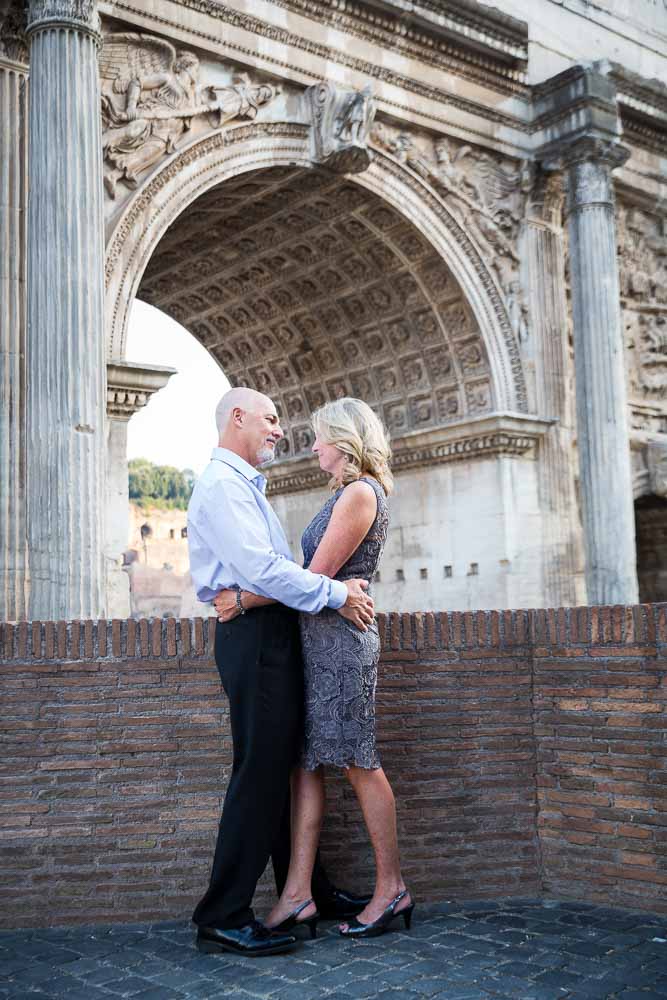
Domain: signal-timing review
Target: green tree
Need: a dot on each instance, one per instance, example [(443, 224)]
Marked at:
[(159, 485)]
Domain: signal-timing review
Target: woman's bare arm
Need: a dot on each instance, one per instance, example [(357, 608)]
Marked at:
[(351, 518)]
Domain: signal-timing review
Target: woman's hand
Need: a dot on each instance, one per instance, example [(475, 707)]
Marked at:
[(225, 605)]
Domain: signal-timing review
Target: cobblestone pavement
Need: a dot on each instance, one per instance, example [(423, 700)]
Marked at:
[(528, 950)]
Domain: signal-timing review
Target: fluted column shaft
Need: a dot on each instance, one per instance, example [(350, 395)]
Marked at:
[(542, 257), (12, 341), (602, 421), (65, 340)]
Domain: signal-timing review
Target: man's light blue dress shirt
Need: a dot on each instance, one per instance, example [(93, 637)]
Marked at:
[(235, 539)]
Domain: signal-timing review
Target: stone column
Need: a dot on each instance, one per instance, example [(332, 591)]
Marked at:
[(13, 76), (602, 418), (129, 388), (65, 338)]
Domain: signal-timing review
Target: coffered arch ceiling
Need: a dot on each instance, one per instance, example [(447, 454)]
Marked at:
[(308, 287)]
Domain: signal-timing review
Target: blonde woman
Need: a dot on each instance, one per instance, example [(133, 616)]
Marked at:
[(344, 540)]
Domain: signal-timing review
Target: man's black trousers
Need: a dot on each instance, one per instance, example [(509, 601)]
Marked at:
[(258, 656)]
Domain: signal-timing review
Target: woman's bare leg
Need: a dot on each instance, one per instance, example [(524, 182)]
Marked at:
[(379, 810), (307, 814)]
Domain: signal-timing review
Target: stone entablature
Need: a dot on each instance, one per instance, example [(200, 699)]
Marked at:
[(130, 386), (480, 43), (479, 437)]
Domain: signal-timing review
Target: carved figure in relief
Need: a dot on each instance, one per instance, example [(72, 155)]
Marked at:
[(642, 248), (351, 123), (647, 337), (484, 195), (341, 123), (150, 94), (466, 194), (517, 310)]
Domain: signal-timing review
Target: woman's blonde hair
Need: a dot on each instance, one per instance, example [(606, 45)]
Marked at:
[(352, 427)]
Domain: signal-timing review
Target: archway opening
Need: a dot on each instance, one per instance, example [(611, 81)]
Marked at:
[(308, 287), (651, 540)]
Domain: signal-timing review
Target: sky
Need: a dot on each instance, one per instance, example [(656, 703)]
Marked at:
[(177, 426)]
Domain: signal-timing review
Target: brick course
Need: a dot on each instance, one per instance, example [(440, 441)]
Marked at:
[(526, 750)]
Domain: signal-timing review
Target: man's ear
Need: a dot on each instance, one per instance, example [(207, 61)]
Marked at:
[(237, 416)]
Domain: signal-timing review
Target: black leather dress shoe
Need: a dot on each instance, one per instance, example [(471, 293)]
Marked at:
[(252, 939), (338, 904)]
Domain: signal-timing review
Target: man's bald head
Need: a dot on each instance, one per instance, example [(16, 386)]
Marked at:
[(248, 425), (240, 398)]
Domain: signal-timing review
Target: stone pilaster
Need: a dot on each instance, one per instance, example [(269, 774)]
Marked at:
[(543, 276), (12, 336), (65, 334), (602, 420)]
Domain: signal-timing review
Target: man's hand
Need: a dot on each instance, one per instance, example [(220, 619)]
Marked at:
[(225, 605), (358, 607)]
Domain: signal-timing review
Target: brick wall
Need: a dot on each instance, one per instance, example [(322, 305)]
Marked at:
[(526, 750)]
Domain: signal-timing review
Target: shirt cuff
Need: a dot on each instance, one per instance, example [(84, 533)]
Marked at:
[(337, 594)]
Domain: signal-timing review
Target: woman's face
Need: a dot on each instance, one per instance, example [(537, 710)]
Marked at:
[(331, 458)]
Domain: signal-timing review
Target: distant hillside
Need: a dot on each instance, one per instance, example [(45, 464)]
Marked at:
[(159, 485)]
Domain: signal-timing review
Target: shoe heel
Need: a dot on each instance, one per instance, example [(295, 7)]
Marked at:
[(312, 927), (207, 947), (407, 916)]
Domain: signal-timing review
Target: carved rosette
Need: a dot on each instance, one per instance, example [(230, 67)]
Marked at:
[(79, 14), (341, 124)]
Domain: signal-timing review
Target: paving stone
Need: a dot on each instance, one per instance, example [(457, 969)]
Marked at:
[(559, 979), (512, 950), (638, 995), (164, 993)]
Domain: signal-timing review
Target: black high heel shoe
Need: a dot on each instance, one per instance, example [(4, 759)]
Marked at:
[(356, 929), (291, 922)]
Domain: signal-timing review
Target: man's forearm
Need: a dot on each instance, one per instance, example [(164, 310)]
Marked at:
[(250, 600)]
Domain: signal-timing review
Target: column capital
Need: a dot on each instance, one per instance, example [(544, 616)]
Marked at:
[(78, 14), (589, 161), (587, 148), (13, 42)]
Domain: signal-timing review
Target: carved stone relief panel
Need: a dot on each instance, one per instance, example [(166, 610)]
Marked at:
[(322, 290), (487, 194), (642, 249), (153, 97)]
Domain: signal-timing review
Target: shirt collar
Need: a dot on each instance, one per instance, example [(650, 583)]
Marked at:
[(240, 464)]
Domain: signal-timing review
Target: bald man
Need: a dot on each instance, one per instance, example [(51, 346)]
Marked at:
[(236, 541)]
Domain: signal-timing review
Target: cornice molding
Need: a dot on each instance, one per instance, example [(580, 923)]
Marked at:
[(130, 386), (470, 40), (642, 104), (509, 434)]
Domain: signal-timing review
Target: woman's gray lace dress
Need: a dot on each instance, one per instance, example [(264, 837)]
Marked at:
[(340, 662)]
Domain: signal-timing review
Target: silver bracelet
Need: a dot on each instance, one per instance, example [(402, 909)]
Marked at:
[(242, 610)]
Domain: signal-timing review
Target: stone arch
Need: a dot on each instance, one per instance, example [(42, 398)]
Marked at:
[(476, 322), (651, 545)]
